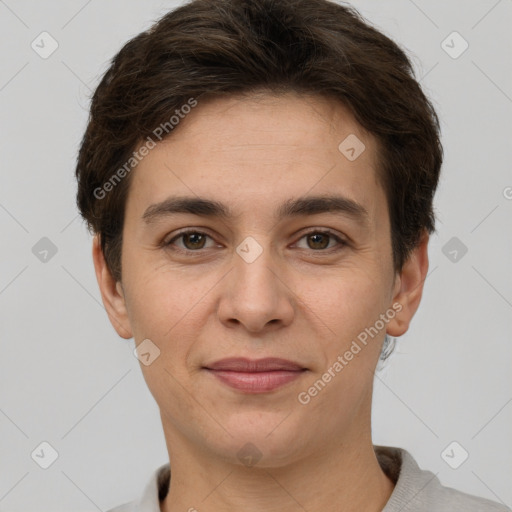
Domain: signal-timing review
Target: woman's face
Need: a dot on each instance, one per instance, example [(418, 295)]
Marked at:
[(262, 281)]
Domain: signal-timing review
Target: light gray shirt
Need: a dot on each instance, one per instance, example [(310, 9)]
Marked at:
[(416, 490)]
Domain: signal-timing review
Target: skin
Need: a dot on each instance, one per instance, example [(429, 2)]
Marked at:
[(298, 300)]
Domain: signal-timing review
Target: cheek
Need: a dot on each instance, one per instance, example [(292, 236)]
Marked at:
[(347, 302), (169, 307), (155, 299)]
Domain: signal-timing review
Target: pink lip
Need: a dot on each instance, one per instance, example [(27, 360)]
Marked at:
[(257, 375)]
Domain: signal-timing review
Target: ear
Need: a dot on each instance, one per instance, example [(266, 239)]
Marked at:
[(408, 288), (111, 292)]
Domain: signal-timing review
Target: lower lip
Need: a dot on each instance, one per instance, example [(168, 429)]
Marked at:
[(256, 382)]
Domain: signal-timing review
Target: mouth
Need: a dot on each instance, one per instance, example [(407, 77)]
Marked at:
[(255, 375)]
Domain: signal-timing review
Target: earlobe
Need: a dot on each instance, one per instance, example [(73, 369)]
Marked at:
[(112, 293), (409, 288)]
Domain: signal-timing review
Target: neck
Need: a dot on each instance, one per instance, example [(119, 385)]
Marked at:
[(342, 478)]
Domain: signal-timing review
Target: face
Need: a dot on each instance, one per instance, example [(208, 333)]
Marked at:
[(284, 273)]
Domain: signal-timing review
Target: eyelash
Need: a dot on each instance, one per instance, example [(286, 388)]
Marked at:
[(168, 244)]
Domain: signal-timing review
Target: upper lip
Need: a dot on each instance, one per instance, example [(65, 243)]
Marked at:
[(242, 364)]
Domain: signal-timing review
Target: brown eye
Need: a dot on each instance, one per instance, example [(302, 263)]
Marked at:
[(320, 241), (192, 241)]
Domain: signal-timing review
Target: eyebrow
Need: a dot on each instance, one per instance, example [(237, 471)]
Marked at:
[(311, 205)]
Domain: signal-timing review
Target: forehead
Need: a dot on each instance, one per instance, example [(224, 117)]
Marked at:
[(310, 124), (259, 151)]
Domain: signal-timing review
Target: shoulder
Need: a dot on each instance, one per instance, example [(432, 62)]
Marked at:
[(420, 490), (154, 492)]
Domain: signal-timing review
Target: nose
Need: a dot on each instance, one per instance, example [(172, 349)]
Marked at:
[(256, 293)]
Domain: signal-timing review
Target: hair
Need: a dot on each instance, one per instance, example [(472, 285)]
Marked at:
[(206, 49)]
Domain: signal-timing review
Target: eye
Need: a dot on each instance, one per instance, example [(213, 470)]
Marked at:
[(319, 240), (192, 240)]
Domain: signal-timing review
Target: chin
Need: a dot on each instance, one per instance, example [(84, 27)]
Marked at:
[(262, 441)]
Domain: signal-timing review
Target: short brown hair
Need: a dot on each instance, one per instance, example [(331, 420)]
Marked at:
[(225, 47)]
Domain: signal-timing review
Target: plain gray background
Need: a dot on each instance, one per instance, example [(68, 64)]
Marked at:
[(67, 379)]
